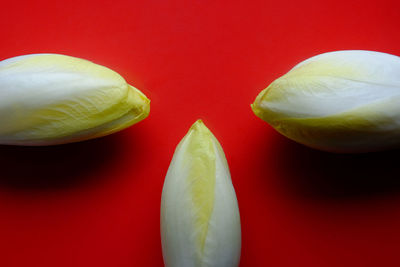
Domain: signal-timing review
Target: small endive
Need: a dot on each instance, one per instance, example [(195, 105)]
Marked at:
[(344, 101), (48, 99), (200, 222)]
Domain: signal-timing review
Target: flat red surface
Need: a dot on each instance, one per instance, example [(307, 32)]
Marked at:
[(96, 203)]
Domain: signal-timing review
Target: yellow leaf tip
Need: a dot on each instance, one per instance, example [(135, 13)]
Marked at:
[(200, 128), (198, 124)]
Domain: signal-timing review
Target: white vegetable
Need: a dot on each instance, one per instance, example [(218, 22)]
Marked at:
[(344, 101), (200, 223), (48, 99)]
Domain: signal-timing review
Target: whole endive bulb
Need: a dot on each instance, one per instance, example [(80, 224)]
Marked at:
[(200, 223), (48, 99), (344, 101)]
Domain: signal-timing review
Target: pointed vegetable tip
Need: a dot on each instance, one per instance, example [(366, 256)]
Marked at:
[(48, 99), (200, 222), (344, 101)]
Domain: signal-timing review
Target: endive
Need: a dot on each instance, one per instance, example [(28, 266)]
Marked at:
[(200, 224), (344, 101), (48, 99)]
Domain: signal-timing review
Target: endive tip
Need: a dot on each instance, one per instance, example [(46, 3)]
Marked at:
[(255, 106), (199, 126), (146, 109), (197, 122), (142, 101)]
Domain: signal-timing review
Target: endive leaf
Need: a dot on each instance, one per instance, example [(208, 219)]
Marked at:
[(48, 99), (200, 222), (344, 101)]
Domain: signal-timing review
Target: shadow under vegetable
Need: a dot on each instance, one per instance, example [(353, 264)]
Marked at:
[(324, 175), (49, 167)]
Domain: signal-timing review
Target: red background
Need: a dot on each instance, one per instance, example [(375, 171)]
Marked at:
[(96, 203)]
